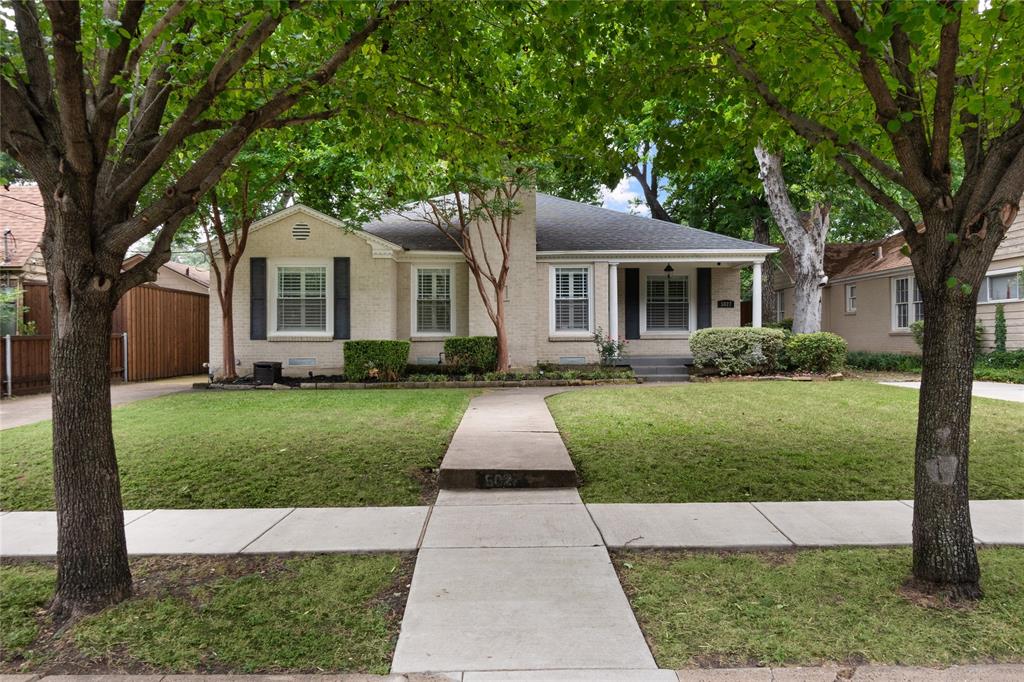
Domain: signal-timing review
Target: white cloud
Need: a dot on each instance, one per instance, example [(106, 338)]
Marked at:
[(624, 197)]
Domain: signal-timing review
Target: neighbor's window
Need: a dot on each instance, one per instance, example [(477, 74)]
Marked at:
[(572, 299), (668, 303), (908, 307), (433, 301), (302, 299), (1002, 287), (851, 298), (780, 306)]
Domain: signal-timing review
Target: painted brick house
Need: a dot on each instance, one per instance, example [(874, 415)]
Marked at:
[(306, 284)]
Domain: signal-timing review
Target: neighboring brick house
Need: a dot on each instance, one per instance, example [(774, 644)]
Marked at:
[(871, 298), (305, 284), (179, 276)]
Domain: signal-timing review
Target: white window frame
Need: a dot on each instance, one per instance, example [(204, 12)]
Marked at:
[(572, 333), (911, 303), (691, 308), (986, 284), (780, 305), (850, 295), (414, 331), (273, 265)]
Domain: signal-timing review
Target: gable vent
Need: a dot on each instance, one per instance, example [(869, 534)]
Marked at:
[(300, 231)]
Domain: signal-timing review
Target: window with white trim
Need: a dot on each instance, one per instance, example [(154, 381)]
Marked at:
[(780, 305), (668, 303), (851, 298), (301, 299), (908, 306), (433, 301), (572, 299), (1004, 286)]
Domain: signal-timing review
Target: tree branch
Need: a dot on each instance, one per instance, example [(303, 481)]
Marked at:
[(945, 91), (70, 78)]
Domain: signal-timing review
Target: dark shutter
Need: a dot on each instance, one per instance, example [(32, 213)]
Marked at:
[(632, 292), (342, 307), (258, 298), (703, 298)]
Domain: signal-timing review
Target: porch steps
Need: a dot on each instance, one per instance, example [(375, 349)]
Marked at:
[(661, 368)]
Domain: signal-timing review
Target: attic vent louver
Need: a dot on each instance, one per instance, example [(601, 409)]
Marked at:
[(300, 231)]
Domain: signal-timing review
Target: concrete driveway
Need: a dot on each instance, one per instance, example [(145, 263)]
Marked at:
[(29, 409), (981, 389)]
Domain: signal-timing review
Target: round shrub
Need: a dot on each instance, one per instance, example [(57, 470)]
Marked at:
[(738, 350), (818, 352), (381, 359), (472, 353)]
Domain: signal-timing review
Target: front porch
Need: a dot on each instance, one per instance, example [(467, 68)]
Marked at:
[(656, 304)]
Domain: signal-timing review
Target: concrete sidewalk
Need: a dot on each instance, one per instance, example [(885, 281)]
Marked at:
[(828, 673), (29, 409), (980, 389), (515, 518)]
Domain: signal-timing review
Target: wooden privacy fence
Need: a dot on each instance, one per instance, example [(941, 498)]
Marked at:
[(26, 362), (168, 332), (167, 336)]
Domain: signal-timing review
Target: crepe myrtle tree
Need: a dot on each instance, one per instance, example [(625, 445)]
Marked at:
[(478, 217), (920, 104), (98, 99)]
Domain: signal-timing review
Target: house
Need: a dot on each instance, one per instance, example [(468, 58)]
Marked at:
[(164, 322), (177, 276), (871, 298), (305, 284)]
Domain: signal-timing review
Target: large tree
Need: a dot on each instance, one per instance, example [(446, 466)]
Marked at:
[(899, 95), (98, 99)]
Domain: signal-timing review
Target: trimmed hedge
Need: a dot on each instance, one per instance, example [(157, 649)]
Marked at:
[(472, 353), (883, 362), (738, 350), (818, 352), (375, 359)]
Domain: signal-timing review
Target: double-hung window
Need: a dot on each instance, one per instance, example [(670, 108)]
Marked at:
[(668, 303), (433, 301), (572, 299), (1002, 286), (301, 299), (851, 298), (908, 306), (780, 305)]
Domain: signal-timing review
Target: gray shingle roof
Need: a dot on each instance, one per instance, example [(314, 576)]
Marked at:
[(564, 225)]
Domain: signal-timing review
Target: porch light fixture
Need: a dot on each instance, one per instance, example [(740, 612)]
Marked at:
[(668, 271)]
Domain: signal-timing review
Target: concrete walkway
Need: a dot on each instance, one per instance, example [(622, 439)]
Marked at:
[(29, 409), (980, 389)]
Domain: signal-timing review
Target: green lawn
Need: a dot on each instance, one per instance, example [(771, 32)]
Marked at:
[(809, 607), (259, 614), (736, 441), (258, 449)]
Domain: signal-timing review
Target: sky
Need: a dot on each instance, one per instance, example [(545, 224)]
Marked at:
[(621, 197)]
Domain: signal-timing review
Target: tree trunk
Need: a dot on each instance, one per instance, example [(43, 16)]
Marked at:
[(804, 234), (92, 558), (762, 235), (944, 553), (500, 332), (228, 327), (806, 301)]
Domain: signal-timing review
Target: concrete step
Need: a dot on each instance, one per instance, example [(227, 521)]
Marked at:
[(507, 440), (654, 378), (661, 369), (648, 360)]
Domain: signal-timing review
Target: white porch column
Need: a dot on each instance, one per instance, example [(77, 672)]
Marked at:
[(755, 297), (613, 300)]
